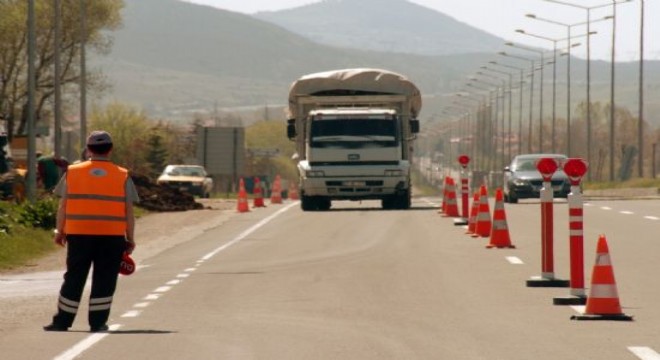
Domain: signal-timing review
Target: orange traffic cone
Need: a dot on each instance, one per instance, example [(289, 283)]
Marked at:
[(483, 224), (293, 191), (603, 301), (499, 235), (276, 193), (474, 210), (258, 194), (242, 205), (451, 206)]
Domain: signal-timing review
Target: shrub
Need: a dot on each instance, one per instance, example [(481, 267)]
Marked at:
[(41, 214)]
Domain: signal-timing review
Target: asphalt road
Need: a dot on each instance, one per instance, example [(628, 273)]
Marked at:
[(360, 283)]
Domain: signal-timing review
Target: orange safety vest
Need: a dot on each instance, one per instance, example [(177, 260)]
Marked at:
[(96, 199)]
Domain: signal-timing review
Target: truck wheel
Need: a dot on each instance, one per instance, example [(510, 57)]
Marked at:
[(307, 203), (388, 202), (323, 204)]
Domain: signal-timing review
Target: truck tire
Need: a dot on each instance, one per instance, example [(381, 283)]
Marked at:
[(403, 200), (307, 203)]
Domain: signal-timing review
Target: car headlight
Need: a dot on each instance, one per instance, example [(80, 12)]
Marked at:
[(314, 173), (520, 182), (393, 173)]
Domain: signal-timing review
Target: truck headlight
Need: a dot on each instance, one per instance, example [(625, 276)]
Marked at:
[(393, 173), (314, 173)]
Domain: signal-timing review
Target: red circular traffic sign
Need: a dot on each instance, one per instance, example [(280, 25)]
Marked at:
[(464, 160), (575, 169), (547, 167)]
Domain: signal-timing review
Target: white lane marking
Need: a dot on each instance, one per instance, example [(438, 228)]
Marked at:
[(249, 231), (152, 297), (141, 305), (514, 260), (163, 289), (606, 208), (190, 269), (651, 217), (131, 314), (626, 212), (173, 282), (588, 204), (85, 344), (644, 353), (183, 276)]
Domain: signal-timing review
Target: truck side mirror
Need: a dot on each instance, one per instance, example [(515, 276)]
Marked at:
[(291, 128), (414, 126)]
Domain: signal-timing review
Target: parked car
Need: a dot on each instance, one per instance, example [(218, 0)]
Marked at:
[(190, 178), (523, 181)]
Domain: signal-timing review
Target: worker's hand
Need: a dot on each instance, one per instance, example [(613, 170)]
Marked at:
[(60, 239), (130, 246)]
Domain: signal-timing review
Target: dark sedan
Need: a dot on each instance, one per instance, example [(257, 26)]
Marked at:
[(523, 181)]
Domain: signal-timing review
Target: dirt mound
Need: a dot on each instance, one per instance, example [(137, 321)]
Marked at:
[(154, 197)]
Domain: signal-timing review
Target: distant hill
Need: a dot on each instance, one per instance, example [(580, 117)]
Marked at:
[(384, 25), (174, 59)]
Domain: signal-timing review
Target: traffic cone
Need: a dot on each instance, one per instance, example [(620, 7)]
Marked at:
[(258, 194), (293, 191), (603, 301), (276, 193), (451, 206), (499, 235), (474, 210), (483, 224), (242, 205)]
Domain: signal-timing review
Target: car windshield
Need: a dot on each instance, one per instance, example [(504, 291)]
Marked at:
[(525, 165), (354, 133), (529, 164), (184, 171)]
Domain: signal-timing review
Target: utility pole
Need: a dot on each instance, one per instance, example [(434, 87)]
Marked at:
[(640, 120), (57, 124), (31, 190), (83, 76)]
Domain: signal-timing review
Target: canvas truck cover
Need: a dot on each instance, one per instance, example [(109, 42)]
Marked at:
[(355, 80)]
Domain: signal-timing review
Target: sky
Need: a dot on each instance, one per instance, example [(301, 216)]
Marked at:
[(504, 17)]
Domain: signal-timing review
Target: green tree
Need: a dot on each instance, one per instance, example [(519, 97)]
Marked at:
[(130, 130), (102, 17), (157, 154)]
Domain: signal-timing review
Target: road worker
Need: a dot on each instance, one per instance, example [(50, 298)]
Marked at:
[(95, 222)]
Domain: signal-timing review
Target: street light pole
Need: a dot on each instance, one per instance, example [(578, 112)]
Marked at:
[(554, 82), (520, 104), (588, 10), (541, 68), (508, 132)]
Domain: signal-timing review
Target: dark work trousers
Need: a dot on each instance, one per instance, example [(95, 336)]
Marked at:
[(104, 253)]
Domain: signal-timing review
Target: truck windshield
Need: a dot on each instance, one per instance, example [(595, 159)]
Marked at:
[(354, 133)]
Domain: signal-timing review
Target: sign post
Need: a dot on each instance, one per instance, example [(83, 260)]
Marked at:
[(547, 167), (464, 160), (575, 170)]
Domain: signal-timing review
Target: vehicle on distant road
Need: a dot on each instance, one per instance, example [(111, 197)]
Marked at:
[(523, 181), (189, 178)]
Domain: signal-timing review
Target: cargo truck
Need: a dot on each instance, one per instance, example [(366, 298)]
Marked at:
[(354, 131)]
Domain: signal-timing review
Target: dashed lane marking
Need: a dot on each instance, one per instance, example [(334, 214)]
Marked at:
[(514, 260), (88, 342), (651, 218), (85, 344), (644, 353), (626, 212)]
